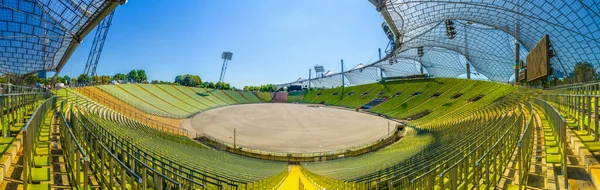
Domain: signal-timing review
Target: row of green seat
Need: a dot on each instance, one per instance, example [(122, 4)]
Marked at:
[(406, 99), (173, 149), (428, 145), (176, 101)]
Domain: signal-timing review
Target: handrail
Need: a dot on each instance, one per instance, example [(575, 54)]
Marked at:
[(187, 167), (144, 164), (139, 179)]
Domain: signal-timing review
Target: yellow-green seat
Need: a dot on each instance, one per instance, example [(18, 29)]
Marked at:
[(38, 186), (586, 138), (44, 138), (592, 146), (39, 161), (580, 132), (549, 137), (572, 125), (43, 145), (45, 130), (45, 134), (40, 174), (512, 187), (42, 151), (4, 148), (551, 143), (6, 140), (552, 150), (553, 158), (15, 129)]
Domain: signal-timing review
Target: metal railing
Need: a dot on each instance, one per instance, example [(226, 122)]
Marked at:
[(76, 159), (109, 170), (558, 123), (525, 150), (15, 107), (135, 114), (30, 139), (277, 155)]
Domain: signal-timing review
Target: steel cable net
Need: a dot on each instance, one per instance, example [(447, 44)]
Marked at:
[(362, 75), (35, 35), (485, 31), (489, 51), (572, 26)]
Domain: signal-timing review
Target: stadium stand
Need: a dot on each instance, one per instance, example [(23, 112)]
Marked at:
[(219, 94), (404, 166), (416, 96), (171, 101), (459, 134), (122, 107), (264, 96), (294, 96), (201, 95), (168, 98), (134, 101), (280, 97), (213, 169), (251, 97), (180, 96), (236, 96)]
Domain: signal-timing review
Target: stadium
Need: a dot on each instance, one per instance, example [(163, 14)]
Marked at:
[(470, 94)]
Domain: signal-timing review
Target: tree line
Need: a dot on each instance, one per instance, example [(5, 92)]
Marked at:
[(261, 88), (196, 81)]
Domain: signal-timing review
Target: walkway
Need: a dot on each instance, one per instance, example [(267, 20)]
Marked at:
[(296, 180)]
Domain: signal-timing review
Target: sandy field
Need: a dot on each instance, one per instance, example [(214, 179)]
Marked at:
[(295, 128)]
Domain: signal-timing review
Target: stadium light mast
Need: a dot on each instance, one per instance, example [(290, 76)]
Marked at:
[(319, 70), (342, 73), (309, 76), (226, 56)]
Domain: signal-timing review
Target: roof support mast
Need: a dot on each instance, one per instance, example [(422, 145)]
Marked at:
[(97, 46), (517, 46)]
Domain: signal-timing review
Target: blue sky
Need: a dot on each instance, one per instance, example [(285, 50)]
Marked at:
[(272, 41)]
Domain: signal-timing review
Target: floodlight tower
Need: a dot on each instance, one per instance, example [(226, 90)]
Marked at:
[(226, 56), (319, 69)]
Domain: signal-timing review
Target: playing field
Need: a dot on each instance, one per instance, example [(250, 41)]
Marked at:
[(296, 128)]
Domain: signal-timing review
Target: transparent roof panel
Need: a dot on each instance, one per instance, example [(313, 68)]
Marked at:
[(484, 36), (36, 35), (490, 29)]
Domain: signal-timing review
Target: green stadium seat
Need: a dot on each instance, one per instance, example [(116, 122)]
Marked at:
[(40, 161), (38, 186), (42, 151), (6, 140), (40, 174), (553, 158)]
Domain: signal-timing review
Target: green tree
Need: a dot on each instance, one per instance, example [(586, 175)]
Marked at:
[(179, 79), (83, 79), (132, 76), (141, 76), (120, 76), (584, 72)]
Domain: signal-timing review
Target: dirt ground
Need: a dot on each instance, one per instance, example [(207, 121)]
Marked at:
[(296, 128)]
